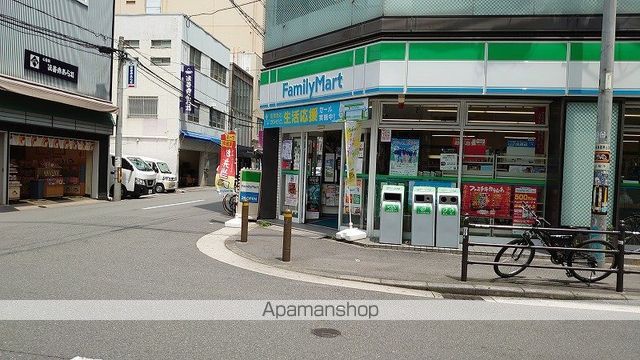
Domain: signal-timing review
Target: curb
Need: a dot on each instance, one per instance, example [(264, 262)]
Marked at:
[(446, 288), (367, 243)]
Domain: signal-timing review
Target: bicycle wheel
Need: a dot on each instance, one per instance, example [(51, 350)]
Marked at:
[(227, 205), (632, 223), (589, 259), (514, 256)]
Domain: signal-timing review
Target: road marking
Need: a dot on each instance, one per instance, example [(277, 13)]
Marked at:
[(213, 246), (176, 204)]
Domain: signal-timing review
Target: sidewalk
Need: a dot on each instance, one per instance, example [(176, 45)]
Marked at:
[(312, 253)]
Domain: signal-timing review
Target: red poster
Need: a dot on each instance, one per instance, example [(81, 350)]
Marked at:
[(227, 167), (472, 146), (528, 196), (487, 200)]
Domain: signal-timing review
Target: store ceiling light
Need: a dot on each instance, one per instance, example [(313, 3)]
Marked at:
[(502, 112), (442, 110), (632, 115), (501, 122)]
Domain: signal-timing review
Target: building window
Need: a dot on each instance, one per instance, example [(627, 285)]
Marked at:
[(160, 44), (143, 106), (629, 200), (154, 6), (218, 72), (216, 119), (195, 57), (131, 2), (133, 44), (195, 117), (160, 61)]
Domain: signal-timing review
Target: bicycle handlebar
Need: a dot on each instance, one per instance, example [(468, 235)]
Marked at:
[(539, 219)]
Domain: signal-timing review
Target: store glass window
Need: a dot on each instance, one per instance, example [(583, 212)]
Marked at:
[(629, 200), (415, 158), (504, 164), (290, 172)]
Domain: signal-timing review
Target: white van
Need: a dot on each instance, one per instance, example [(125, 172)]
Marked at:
[(137, 177), (165, 179)]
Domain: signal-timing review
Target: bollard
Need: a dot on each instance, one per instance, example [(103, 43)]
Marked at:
[(465, 249), (244, 227), (620, 258), (286, 236)]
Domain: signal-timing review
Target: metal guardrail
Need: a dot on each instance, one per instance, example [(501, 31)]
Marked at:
[(619, 252)]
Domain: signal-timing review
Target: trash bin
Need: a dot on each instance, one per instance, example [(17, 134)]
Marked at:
[(423, 216), (448, 218), (391, 214)]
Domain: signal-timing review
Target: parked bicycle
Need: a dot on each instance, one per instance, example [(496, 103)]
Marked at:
[(632, 225), (570, 258), (230, 200)]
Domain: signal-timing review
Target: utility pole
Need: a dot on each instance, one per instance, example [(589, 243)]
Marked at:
[(117, 186), (602, 154)]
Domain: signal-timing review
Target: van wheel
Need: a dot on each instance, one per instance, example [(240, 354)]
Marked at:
[(123, 191), (159, 188)]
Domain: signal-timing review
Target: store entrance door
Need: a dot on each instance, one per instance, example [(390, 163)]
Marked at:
[(3, 168), (323, 178)]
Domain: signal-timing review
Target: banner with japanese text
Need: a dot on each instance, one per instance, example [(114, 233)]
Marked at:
[(226, 172), (352, 137), (526, 196), (486, 200)]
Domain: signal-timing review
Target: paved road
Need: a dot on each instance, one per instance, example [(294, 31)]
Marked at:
[(122, 251)]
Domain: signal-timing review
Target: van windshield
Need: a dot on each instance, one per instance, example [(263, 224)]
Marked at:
[(140, 164), (163, 167)]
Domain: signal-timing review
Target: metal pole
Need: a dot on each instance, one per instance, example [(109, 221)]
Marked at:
[(286, 236), (602, 154), (620, 258), (117, 185), (465, 249), (244, 227)]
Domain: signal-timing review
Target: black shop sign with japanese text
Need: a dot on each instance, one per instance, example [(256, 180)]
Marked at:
[(50, 66)]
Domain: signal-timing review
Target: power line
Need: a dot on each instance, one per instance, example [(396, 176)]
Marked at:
[(96, 34), (174, 76), (249, 20), (151, 72), (25, 32), (219, 10)]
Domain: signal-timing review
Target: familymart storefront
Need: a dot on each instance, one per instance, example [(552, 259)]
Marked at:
[(506, 123)]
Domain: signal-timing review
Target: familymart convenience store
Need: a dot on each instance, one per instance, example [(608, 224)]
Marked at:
[(506, 123)]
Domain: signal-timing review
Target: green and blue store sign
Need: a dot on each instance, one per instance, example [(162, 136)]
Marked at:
[(556, 68), (317, 114)]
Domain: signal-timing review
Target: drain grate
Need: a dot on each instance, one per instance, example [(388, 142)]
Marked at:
[(326, 332)]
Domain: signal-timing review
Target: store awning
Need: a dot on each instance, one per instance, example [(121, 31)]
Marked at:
[(28, 89), (198, 136)]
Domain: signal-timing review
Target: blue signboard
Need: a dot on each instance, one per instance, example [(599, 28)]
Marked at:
[(317, 114), (131, 75), (188, 88)]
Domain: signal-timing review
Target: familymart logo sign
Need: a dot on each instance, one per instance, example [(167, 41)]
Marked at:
[(312, 86)]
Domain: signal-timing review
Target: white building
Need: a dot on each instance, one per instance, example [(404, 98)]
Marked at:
[(154, 125)]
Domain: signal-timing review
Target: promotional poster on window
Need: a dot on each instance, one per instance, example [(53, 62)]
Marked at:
[(404, 157), (487, 200), (291, 190), (526, 196)]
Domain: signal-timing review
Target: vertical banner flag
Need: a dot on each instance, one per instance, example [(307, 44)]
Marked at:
[(188, 86), (352, 135), (131, 75), (225, 176)]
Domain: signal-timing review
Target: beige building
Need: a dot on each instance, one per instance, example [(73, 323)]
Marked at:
[(242, 33)]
